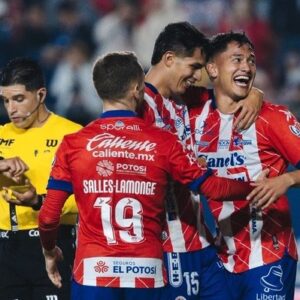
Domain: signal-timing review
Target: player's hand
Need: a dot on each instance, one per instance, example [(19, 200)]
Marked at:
[(21, 195), (249, 109), (13, 168), (51, 258), (268, 190)]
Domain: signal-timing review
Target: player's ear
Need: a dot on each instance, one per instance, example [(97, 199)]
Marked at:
[(41, 93), (211, 70), (168, 58)]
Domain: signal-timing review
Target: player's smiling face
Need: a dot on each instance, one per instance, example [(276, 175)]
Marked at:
[(18, 103), (234, 70), (186, 71)]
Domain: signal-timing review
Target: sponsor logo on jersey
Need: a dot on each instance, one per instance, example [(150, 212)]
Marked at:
[(105, 168), (7, 142), (51, 143), (254, 218), (175, 274), (101, 267), (131, 169), (120, 125), (234, 159), (295, 129), (133, 268), (108, 153), (224, 144), (202, 143), (237, 141), (110, 141)]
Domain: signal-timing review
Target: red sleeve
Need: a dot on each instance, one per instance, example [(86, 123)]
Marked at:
[(49, 217), (285, 135), (225, 189)]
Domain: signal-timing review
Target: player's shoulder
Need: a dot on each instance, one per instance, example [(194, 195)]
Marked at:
[(159, 134), (272, 110), (65, 124), (7, 128)]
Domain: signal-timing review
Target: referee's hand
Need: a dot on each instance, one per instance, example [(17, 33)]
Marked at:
[(13, 168), (24, 195), (51, 259)]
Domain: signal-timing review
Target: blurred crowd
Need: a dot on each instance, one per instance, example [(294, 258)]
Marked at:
[(65, 36)]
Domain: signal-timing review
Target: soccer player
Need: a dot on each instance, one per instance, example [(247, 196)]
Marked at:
[(33, 135), (194, 269), (117, 167), (257, 246)]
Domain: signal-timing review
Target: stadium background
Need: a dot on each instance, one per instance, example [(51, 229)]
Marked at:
[(65, 36)]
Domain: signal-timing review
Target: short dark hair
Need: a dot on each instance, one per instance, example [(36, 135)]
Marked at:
[(220, 41), (114, 73), (181, 38), (25, 71)]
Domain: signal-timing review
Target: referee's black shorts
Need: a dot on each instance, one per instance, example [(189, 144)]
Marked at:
[(23, 275)]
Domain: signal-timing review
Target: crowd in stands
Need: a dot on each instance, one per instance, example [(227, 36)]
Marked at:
[(67, 35)]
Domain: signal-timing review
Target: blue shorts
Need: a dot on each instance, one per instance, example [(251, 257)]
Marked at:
[(195, 275), (271, 281), (84, 292)]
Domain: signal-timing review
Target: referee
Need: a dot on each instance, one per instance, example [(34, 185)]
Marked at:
[(33, 136)]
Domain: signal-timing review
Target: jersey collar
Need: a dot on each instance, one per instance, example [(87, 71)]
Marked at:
[(151, 87), (118, 113), (213, 100)]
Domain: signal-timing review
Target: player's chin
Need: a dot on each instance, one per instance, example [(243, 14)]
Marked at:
[(19, 123), (242, 92)]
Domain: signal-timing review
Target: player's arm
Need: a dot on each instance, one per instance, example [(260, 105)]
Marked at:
[(269, 190), (249, 109), (185, 169), (285, 139), (48, 227)]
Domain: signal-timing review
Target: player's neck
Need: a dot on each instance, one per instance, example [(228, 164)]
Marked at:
[(225, 103), (119, 105), (42, 116), (158, 79)]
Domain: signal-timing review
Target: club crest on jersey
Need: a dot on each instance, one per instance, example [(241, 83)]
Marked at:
[(178, 122), (295, 129)]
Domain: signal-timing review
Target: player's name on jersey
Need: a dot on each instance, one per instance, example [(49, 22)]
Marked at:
[(119, 186)]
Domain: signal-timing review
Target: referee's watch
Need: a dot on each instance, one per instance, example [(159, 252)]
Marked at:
[(40, 201)]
